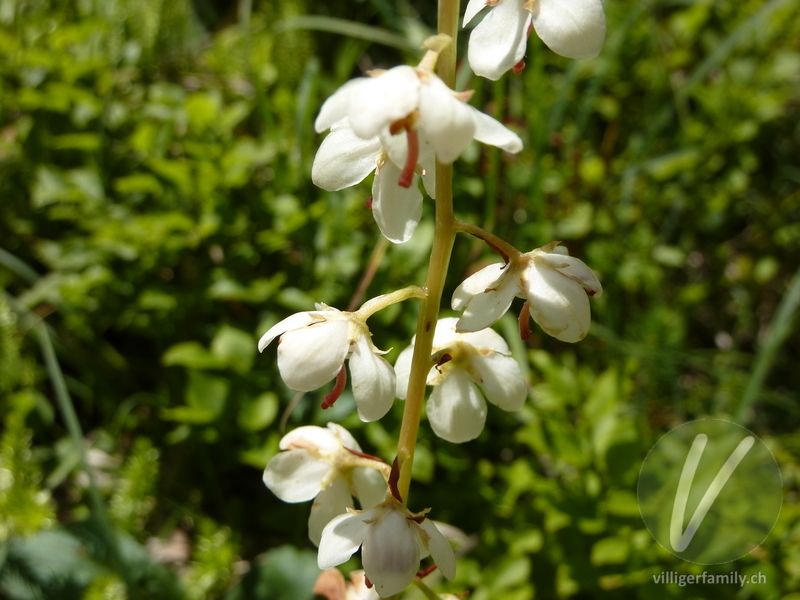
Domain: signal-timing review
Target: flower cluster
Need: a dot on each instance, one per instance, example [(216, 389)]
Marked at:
[(404, 124)]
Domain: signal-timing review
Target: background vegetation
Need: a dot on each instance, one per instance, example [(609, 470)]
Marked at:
[(158, 217)]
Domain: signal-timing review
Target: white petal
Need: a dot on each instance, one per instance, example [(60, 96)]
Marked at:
[(343, 159), (341, 538), (384, 99), (344, 436), (571, 28), (331, 502), (489, 130), (294, 321), (447, 122), (575, 269), (501, 380), (445, 332), (429, 178), (390, 554), (373, 381), (370, 487), (558, 304), (487, 339), (311, 437), (456, 410), (475, 284), (397, 210), (295, 475), (337, 106), (440, 549), (485, 308), (402, 370), (499, 41), (309, 358), (473, 8)]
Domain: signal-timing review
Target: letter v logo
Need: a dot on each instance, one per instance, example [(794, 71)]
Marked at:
[(681, 539), (710, 491)]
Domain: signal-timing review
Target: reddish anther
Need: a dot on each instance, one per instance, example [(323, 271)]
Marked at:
[(525, 322), (517, 68), (338, 388), (367, 583), (369, 202), (407, 176)]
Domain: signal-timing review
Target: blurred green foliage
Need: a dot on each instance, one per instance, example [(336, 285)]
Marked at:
[(158, 215)]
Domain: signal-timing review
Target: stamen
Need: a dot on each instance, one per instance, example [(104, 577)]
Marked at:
[(369, 202), (407, 176), (525, 321), (444, 359), (517, 68), (338, 388)]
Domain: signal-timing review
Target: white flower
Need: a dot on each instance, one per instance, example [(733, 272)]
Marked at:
[(393, 541), (344, 159), (408, 99), (316, 464), (456, 409), (555, 285), (367, 117), (571, 28), (312, 351)]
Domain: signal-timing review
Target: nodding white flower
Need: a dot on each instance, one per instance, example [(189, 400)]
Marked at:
[(392, 541), (555, 285), (344, 159), (316, 463), (312, 351), (367, 117), (464, 362), (571, 28)]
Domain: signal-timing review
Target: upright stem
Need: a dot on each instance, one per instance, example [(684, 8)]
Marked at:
[(444, 236)]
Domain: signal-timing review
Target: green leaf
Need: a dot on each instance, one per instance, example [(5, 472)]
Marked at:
[(203, 109), (191, 355), (188, 414), (258, 413), (138, 183), (610, 551), (207, 392), (234, 348)]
